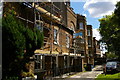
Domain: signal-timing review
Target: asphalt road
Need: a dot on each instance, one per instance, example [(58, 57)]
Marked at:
[(90, 75)]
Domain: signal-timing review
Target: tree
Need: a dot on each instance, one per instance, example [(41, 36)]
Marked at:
[(16, 39), (111, 55), (13, 42), (106, 30), (110, 30)]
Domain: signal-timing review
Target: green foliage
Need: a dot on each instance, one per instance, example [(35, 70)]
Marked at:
[(13, 42), (39, 38), (16, 39), (110, 30), (11, 78), (13, 39), (27, 74), (108, 77), (34, 40), (111, 55)]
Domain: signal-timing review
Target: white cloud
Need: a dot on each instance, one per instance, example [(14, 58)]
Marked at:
[(84, 15), (0, 9), (98, 8), (96, 34), (0, 6)]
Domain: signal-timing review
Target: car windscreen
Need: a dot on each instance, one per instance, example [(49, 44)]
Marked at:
[(111, 64)]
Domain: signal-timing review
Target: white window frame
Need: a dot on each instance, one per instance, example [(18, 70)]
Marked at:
[(39, 26), (89, 43), (88, 31), (65, 61), (37, 62), (55, 36), (82, 41), (81, 25), (67, 41)]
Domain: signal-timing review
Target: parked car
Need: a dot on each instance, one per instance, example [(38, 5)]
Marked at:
[(112, 66)]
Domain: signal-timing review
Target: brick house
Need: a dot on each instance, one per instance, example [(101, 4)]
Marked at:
[(90, 44), (81, 36), (63, 30)]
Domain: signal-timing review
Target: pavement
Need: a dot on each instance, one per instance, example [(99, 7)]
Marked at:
[(88, 75), (67, 75)]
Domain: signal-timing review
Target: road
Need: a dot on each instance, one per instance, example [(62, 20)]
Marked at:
[(90, 75)]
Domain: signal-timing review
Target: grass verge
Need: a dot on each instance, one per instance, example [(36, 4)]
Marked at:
[(108, 77)]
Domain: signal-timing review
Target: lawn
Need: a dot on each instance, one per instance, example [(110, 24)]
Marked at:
[(108, 77)]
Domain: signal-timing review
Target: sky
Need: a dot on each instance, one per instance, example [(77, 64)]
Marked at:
[(94, 10), (0, 9)]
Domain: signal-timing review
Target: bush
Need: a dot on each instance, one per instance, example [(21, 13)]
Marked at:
[(27, 74), (11, 78)]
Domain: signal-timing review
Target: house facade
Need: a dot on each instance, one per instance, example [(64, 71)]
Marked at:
[(90, 44), (96, 46), (81, 37), (55, 55), (68, 42)]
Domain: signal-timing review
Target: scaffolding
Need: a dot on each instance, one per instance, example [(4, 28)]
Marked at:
[(41, 19), (47, 10)]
